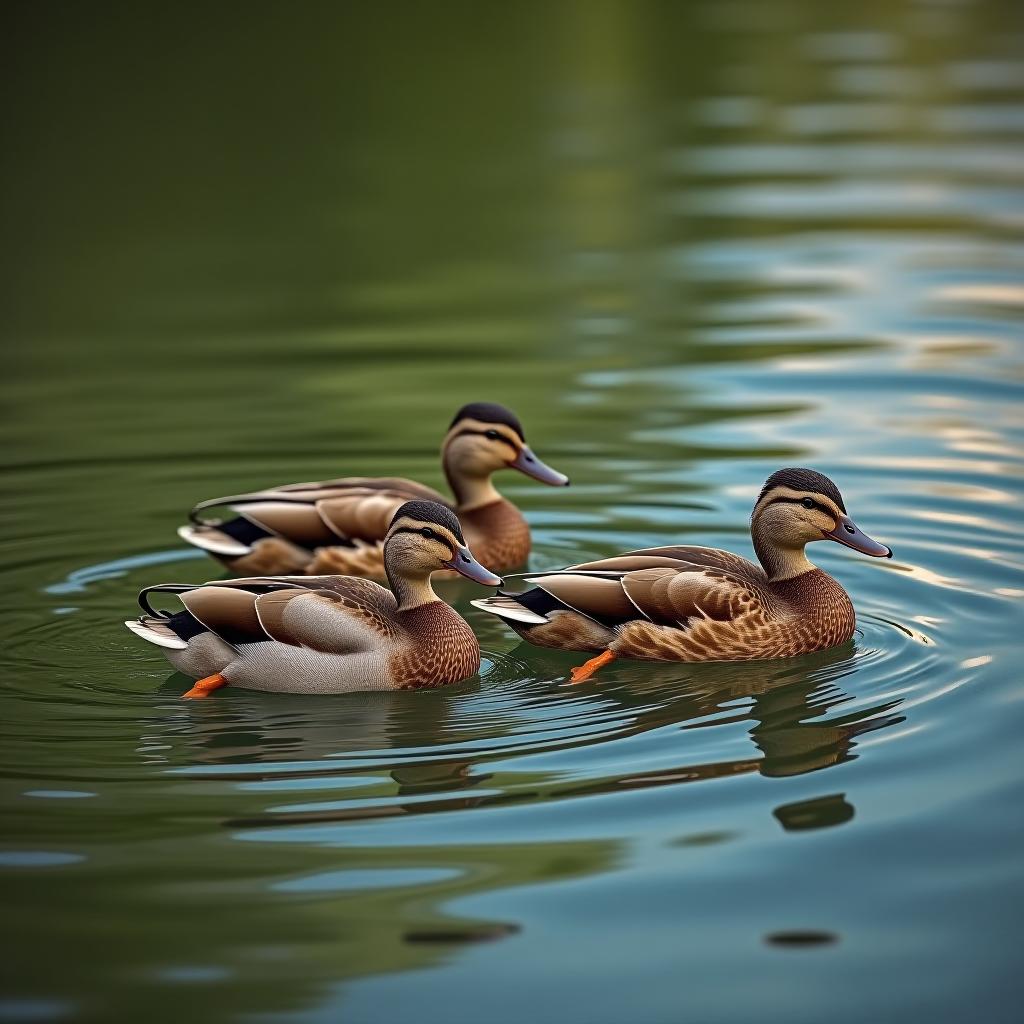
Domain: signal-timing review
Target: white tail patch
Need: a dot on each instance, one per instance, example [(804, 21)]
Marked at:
[(508, 609), (212, 540), (161, 637)]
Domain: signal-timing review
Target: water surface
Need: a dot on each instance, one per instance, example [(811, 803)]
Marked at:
[(689, 244)]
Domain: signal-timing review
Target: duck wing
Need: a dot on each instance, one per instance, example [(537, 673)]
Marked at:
[(378, 483), (668, 585), (324, 512), (334, 615), (679, 597), (680, 556)]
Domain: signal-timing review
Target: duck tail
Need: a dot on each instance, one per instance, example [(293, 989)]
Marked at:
[(171, 631), (509, 608)]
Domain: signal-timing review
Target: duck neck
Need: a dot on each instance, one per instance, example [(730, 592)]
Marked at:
[(470, 490), (410, 591), (780, 563)]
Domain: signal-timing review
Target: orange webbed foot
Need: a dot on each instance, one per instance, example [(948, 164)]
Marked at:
[(204, 687), (588, 668)]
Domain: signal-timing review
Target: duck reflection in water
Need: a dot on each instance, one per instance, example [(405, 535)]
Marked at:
[(788, 702), (391, 735)]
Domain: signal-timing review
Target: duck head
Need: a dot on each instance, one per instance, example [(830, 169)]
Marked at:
[(795, 508), (423, 538), (485, 437)]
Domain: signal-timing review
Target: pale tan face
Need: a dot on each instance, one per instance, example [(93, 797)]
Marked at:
[(475, 448), (791, 518), (420, 547)]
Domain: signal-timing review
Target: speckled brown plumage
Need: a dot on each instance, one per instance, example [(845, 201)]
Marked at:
[(365, 560), (446, 649), (682, 603), (746, 623), (698, 613), (567, 630)]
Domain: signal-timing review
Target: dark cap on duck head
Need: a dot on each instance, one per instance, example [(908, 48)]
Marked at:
[(803, 480), (431, 512), (489, 412)]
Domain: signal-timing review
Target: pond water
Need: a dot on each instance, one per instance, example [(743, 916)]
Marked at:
[(689, 244)]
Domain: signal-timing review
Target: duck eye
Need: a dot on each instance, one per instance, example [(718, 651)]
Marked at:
[(808, 503), (427, 532), (491, 435)]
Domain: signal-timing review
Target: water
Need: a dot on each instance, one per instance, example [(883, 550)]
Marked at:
[(689, 244)]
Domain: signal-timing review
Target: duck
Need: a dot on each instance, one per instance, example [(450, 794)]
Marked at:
[(699, 604), (338, 526), (328, 634)]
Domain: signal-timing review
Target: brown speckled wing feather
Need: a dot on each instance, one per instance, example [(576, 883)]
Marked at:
[(676, 597), (339, 616), (361, 592), (667, 585), (360, 560)]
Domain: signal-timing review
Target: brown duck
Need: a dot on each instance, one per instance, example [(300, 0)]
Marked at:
[(702, 604), (337, 526), (329, 634)]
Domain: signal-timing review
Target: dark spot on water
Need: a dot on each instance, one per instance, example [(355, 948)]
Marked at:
[(821, 812), (461, 935), (704, 838), (801, 937)]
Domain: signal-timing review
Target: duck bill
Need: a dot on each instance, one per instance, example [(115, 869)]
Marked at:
[(528, 463), (465, 564), (849, 533)]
